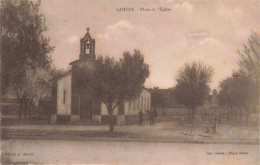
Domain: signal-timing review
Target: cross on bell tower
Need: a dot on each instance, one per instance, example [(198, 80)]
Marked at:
[(87, 47)]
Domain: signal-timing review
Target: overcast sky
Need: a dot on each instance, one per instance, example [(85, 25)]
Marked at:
[(210, 32)]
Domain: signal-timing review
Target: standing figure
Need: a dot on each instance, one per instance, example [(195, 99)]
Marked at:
[(140, 117), (151, 117), (214, 129), (219, 119)]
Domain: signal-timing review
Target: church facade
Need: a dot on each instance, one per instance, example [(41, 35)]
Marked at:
[(73, 105)]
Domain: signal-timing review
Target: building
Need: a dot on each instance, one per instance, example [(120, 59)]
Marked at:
[(73, 105)]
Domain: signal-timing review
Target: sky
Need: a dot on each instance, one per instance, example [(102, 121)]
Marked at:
[(205, 31)]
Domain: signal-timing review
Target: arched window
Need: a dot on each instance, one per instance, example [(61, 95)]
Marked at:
[(87, 47)]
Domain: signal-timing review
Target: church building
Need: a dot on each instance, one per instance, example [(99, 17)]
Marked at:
[(73, 105)]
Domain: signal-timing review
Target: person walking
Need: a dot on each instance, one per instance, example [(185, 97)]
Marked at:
[(140, 117)]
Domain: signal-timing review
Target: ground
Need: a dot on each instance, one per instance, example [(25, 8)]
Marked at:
[(126, 153), (166, 142), (162, 131)]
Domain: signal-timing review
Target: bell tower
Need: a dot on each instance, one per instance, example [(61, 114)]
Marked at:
[(87, 47), (82, 100)]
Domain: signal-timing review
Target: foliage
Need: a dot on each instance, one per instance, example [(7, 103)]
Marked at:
[(34, 85), (192, 86), (237, 92), (249, 61), (249, 57), (26, 62), (156, 96), (163, 97), (115, 81), (22, 41)]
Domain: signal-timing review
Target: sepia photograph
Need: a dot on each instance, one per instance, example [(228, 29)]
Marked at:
[(130, 82)]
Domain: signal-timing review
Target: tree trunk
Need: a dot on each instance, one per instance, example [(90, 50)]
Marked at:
[(231, 113), (247, 115), (240, 115), (228, 115), (30, 107), (163, 108), (25, 108), (192, 114), (111, 119), (236, 114), (189, 116), (29, 110), (20, 109), (258, 92)]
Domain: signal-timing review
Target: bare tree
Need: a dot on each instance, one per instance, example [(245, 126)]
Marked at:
[(192, 86), (249, 58)]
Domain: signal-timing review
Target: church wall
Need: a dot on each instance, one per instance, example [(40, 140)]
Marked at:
[(78, 104), (64, 95), (131, 108), (143, 102), (76, 96)]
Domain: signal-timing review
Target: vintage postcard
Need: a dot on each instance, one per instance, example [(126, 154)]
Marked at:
[(130, 82)]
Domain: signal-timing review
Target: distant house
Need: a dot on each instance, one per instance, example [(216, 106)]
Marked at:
[(74, 105)]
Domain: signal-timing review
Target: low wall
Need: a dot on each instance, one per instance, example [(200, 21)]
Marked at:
[(131, 119), (172, 111), (63, 119), (105, 119), (120, 119)]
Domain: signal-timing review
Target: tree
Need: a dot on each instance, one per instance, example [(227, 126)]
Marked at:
[(156, 96), (31, 87), (249, 59), (113, 81), (238, 93), (23, 45), (162, 97), (26, 62), (192, 86)]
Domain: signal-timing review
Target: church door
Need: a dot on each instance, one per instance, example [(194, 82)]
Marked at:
[(86, 110)]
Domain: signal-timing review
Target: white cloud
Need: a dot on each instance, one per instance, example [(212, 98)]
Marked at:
[(166, 1), (207, 31), (184, 5), (73, 39), (119, 28), (198, 34), (120, 25), (231, 13), (209, 41), (122, 36), (238, 12)]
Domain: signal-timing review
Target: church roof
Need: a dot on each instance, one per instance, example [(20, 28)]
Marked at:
[(87, 35), (63, 75)]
